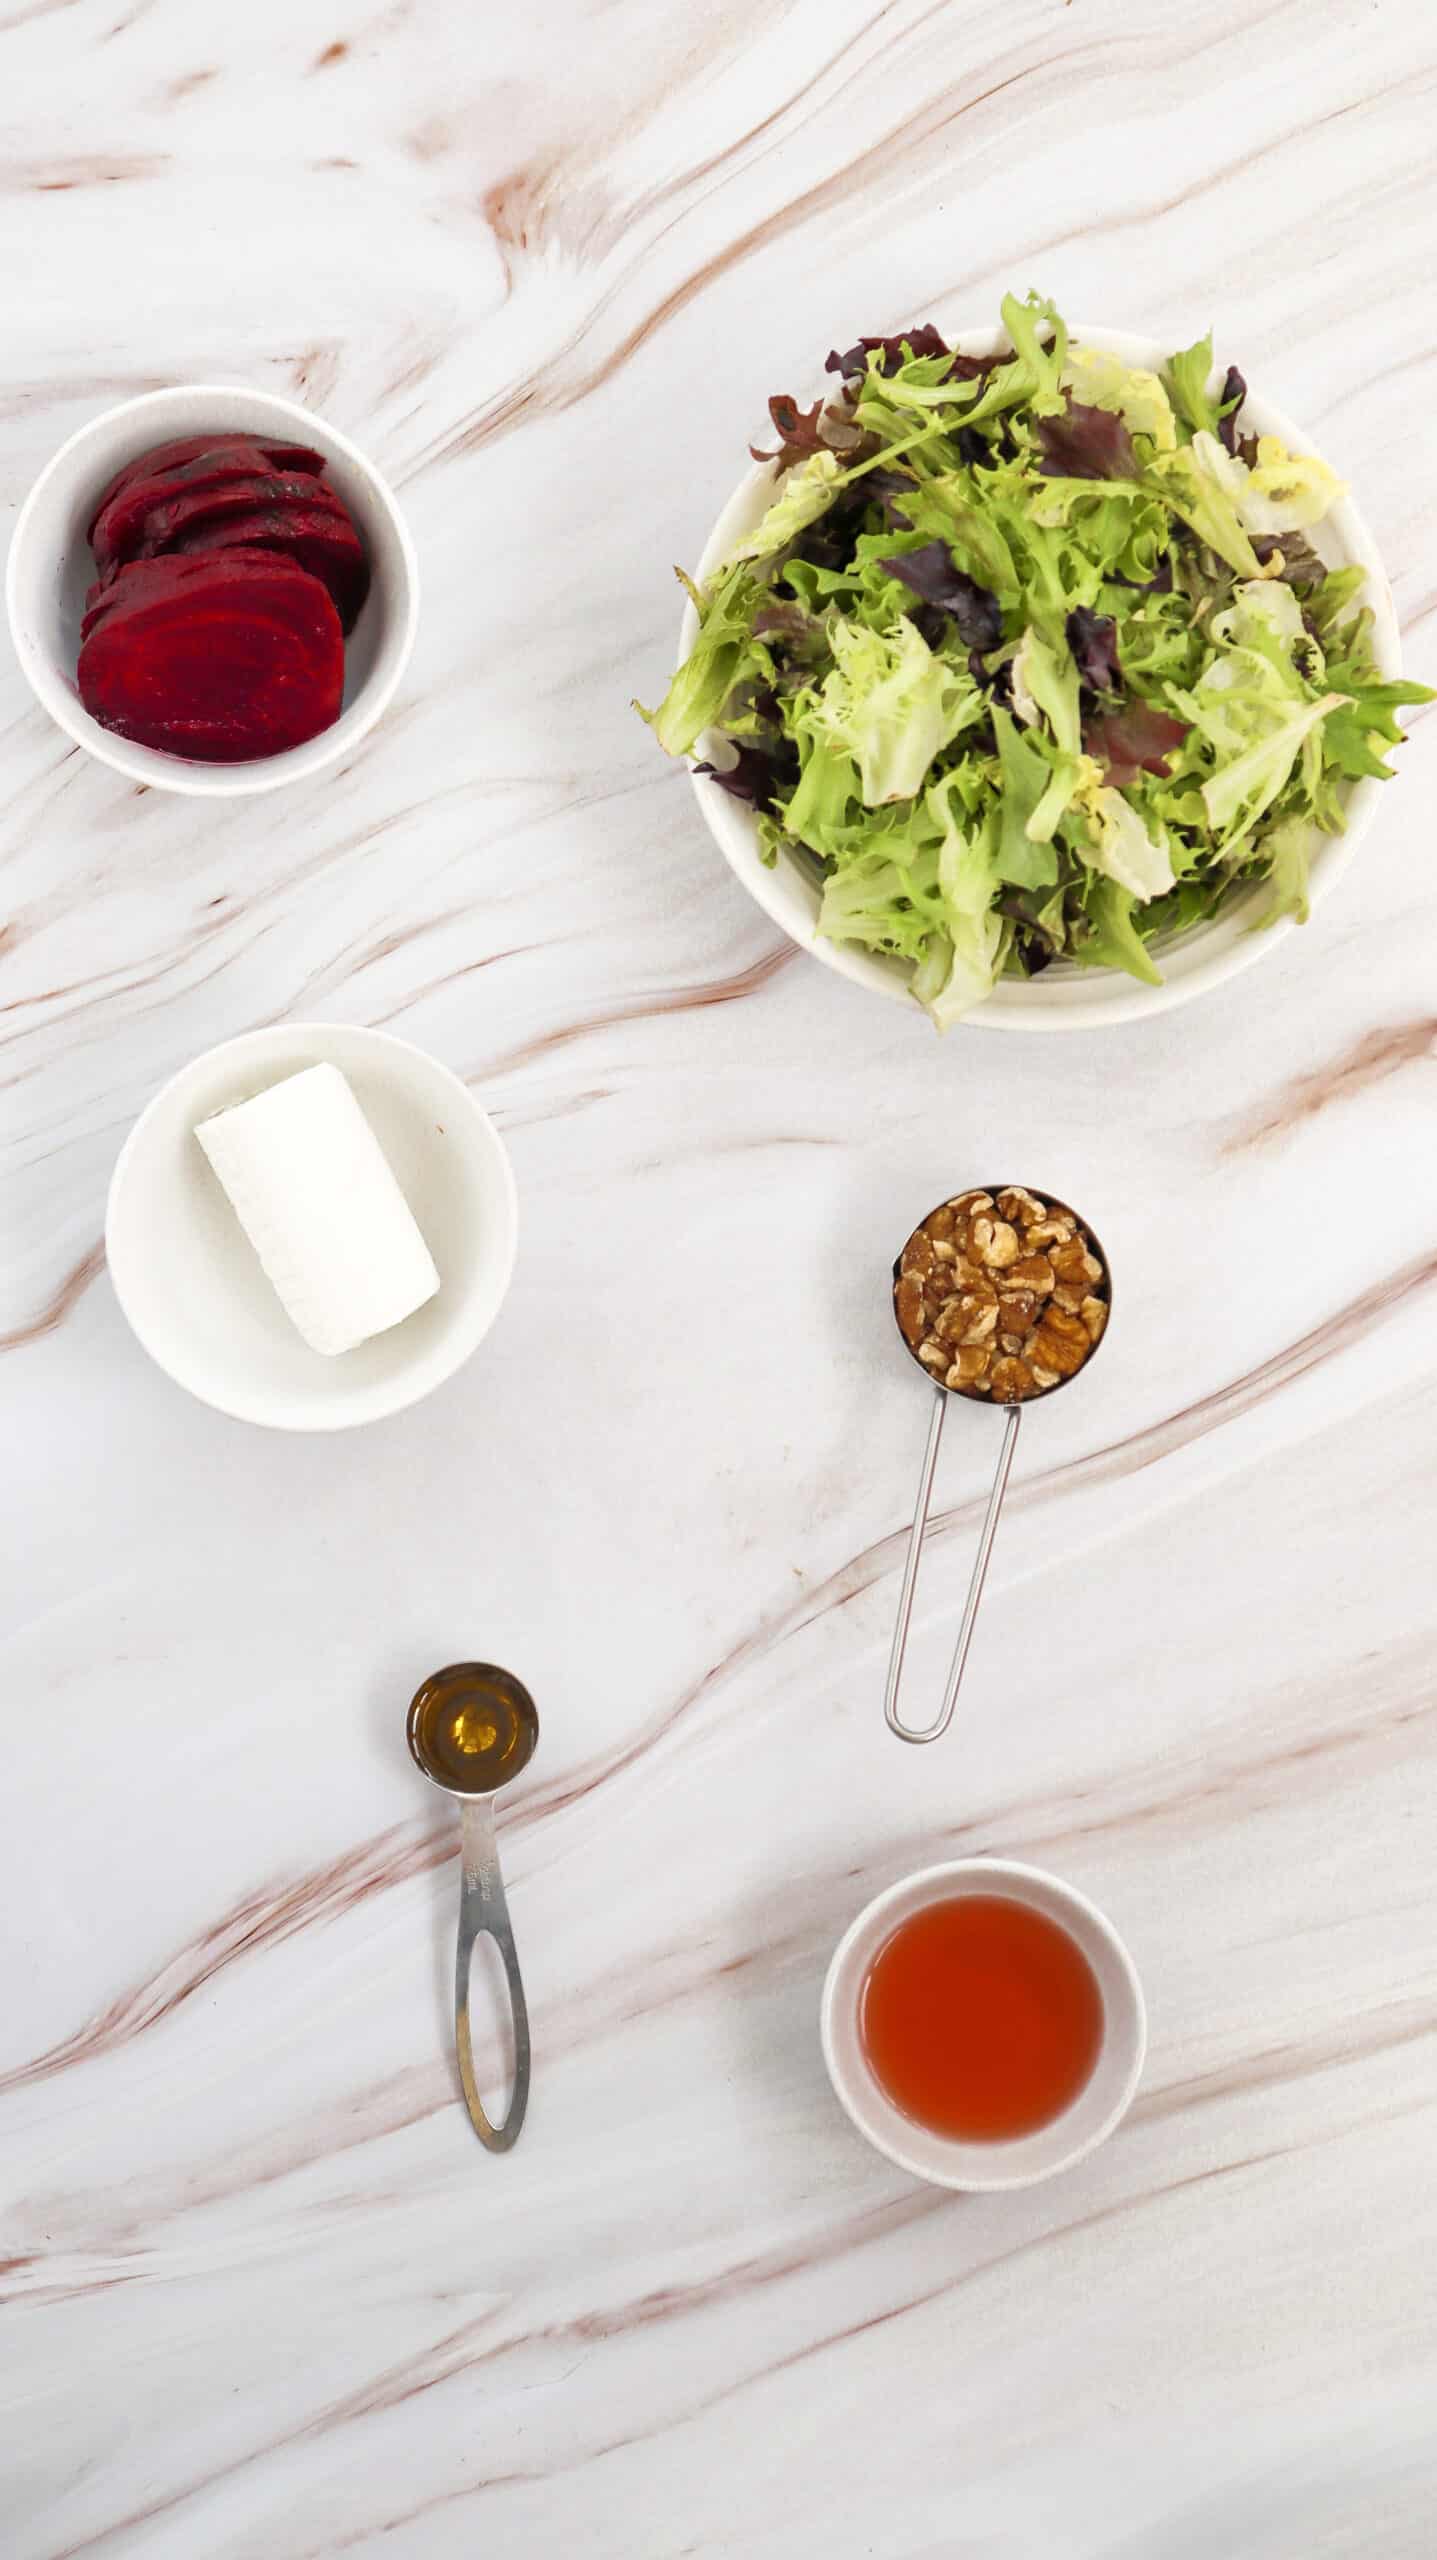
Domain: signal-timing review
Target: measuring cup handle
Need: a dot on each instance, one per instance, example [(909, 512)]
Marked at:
[(483, 1911), (891, 1717)]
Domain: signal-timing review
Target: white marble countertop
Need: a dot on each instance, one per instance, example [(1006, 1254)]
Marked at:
[(266, 2296)]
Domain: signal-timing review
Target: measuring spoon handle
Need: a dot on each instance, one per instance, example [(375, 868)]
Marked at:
[(944, 1717), (483, 1911)]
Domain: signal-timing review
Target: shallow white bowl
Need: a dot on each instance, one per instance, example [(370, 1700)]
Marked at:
[(1064, 998), (981, 2167), (192, 1287), (51, 565)]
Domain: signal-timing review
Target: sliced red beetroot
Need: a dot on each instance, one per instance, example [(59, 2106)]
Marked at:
[(221, 656), (127, 583), (163, 459), (328, 546), (131, 584), (144, 518), (97, 597)]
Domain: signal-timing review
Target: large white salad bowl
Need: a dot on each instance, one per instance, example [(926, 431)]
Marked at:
[(1064, 997)]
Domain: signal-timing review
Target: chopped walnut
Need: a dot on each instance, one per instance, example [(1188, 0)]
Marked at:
[(1094, 1313), (1034, 1272), (1073, 1262), (1012, 1382), (995, 1243), (1061, 1342), (908, 1304), (1001, 1295), (1057, 1229)]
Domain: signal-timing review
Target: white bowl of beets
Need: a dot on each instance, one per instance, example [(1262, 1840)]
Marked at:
[(212, 591)]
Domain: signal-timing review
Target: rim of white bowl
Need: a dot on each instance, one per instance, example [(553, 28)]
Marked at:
[(385, 1397), (197, 779), (887, 2130), (1064, 998)]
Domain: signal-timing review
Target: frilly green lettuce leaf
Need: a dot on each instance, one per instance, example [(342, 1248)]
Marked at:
[(1045, 683), (1113, 940), (1203, 485), (1287, 491), (960, 966), (1025, 773), (890, 704), (1121, 846), (1102, 381), (807, 491), (1023, 321), (1289, 849), (1189, 373), (702, 685), (1245, 784)]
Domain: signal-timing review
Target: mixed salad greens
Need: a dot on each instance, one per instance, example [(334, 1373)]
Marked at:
[(1032, 655)]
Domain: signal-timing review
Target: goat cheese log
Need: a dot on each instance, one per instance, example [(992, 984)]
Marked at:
[(316, 1196)]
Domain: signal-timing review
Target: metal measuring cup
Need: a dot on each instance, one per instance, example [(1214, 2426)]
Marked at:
[(1013, 1416), (471, 1729)]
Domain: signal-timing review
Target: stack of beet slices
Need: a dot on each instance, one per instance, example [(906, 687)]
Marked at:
[(228, 577)]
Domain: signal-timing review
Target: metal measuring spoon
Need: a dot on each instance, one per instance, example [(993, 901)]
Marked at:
[(1101, 1288), (471, 1729)]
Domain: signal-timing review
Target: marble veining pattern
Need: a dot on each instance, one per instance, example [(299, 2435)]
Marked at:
[(262, 2293)]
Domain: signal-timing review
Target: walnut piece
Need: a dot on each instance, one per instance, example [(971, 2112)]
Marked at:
[(908, 1305), (1094, 1314), (1034, 1272), (1012, 1382), (996, 1242), (1061, 1342)]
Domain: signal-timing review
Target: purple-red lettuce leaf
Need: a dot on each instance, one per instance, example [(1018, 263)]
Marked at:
[(802, 432), (1093, 639), (891, 352), (759, 770), (931, 574), (1302, 568), (1230, 400), (1133, 739), (1080, 443)]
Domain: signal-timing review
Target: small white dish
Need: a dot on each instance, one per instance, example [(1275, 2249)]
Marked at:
[(51, 565), (1064, 998), (986, 2167), (191, 1286)]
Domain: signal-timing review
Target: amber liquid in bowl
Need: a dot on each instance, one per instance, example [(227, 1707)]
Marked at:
[(981, 2018)]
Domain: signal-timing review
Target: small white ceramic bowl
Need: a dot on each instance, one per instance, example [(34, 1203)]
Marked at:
[(981, 2167), (1063, 998), (192, 1287), (51, 565)]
